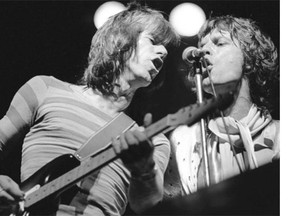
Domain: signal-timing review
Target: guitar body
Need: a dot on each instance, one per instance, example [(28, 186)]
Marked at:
[(47, 173)]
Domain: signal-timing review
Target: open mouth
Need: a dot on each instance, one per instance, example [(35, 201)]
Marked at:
[(207, 67), (158, 63), (206, 71)]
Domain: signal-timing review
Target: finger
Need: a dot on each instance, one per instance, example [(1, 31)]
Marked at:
[(116, 145), (147, 119), (123, 143), (16, 191), (131, 139), (146, 146), (134, 152), (10, 187), (140, 136), (6, 197), (125, 155)]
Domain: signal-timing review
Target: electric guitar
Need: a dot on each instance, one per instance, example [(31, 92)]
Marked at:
[(44, 187)]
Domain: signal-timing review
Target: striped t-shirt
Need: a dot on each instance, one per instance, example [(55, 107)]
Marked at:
[(56, 119)]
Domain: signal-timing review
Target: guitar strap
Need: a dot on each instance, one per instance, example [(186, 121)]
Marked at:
[(101, 139)]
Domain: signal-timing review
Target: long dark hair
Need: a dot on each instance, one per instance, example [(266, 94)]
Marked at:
[(114, 42)]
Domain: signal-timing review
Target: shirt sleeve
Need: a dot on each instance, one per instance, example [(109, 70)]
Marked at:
[(161, 151), (20, 115)]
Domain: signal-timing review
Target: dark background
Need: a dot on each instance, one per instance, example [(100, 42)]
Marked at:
[(53, 38)]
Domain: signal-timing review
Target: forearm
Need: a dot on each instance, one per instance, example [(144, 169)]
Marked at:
[(144, 193)]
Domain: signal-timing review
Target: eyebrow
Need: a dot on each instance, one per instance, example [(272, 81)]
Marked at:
[(216, 36)]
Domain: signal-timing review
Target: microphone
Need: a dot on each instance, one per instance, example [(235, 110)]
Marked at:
[(191, 53)]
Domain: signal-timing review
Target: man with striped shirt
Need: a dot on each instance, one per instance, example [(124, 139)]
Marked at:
[(52, 118)]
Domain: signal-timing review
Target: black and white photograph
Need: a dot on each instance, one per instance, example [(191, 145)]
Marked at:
[(140, 107)]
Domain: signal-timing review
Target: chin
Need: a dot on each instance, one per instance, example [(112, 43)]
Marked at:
[(221, 88), (145, 84)]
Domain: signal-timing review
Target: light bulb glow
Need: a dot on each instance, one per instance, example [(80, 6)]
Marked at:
[(105, 11), (187, 18)]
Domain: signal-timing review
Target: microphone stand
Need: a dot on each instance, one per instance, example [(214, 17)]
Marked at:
[(198, 80)]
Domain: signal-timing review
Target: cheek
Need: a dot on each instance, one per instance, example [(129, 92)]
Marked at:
[(133, 63), (232, 65), (237, 65)]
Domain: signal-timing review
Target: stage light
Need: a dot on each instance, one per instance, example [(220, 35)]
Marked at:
[(187, 18), (106, 10)]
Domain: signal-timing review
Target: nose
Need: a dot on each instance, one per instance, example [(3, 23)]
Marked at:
[(161, 51), (205, 51)]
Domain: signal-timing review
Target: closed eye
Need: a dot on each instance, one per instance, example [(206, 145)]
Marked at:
[(151, 39)]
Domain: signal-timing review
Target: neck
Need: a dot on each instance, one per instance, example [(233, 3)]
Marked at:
[(242, 104), (107, 104), (124, 91)]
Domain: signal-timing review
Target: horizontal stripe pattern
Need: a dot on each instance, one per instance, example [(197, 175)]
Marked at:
[(61, 120)]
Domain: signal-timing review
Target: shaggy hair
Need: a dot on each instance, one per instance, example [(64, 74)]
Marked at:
[(114, 43), (261, 66)]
